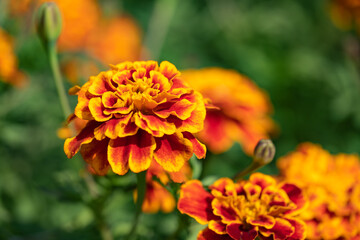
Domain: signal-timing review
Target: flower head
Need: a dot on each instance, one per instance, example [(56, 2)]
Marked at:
[(332, 184), (8, 62), (242, 113), (137, 112), (259, 207)]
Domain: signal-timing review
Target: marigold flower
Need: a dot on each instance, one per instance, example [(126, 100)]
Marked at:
[(9, 72), (122, 34), (137, 112), (259, 207), (332, 184), (243, 109)]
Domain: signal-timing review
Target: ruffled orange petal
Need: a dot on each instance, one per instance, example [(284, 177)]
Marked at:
[(116, 127), (181, 109), (196, 202), (222, 186), (217, 226), (224, 210), (86, 135), (195, 122), (198, 148), (168, 70), (300, 229), (281, 230), (262, 180), (95, 153), (296, 196), (237, 231), (134, 152), (100, 84), (97, 110), (160, 81), (262, 221), (172, 151), (157, 124), (208, 234)]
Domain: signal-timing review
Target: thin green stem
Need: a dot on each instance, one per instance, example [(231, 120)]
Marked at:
[(88, 178), (141, 190), (254, 166), (54, 63), (159, 23)]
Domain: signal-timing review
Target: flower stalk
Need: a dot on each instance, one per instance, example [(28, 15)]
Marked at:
[(48, 24), (141, 190)]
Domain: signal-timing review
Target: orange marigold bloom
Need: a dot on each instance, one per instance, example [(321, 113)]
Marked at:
[(9, 72), (259, 207), (122, 34), (242, 113), (78, 20), (137, 112), (332, 184)]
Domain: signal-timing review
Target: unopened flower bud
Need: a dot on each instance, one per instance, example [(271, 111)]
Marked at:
[(264, 152), (48, 22)]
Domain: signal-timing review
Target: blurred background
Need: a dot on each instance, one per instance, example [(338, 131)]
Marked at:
[(305, 54)]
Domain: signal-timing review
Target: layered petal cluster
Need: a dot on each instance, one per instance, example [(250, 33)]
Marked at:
[(9, 71), (157, 197), (258, 208), (332, 183), (346, 14), (137, 113), (240, 113)]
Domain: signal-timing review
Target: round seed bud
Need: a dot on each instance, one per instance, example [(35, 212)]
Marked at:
[(264, 152)]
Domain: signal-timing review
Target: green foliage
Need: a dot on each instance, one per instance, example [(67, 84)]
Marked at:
[(289, 48)]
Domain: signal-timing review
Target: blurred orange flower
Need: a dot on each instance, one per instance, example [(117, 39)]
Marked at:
[(80, 18), (243, 109), (157, 197), (332, 184), (346, 14), (75, 69), (9, 72), (122, 34), (257, 208), (137, 112)]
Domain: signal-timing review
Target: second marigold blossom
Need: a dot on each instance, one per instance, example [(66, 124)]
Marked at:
[(137, 112), (259, 207)]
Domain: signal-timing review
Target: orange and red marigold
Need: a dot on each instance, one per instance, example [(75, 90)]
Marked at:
[(259, 207), (137, 112), (241, 112), (332, 183)]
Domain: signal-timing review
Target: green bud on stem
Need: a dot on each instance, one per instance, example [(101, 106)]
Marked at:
[(264, 152), (48, 22)]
